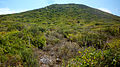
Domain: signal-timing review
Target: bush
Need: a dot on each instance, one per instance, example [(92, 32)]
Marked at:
[(28, 58), (39, 41), (88, 57), (91, 57), (88, 39), (113, 31), (15, 50)]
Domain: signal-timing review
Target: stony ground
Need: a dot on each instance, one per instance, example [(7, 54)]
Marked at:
[(53, 55)]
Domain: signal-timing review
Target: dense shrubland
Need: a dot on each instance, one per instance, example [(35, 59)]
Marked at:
[(79, 35), (16, 46)]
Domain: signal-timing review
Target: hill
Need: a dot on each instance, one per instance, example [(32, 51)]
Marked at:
[(60, 35)]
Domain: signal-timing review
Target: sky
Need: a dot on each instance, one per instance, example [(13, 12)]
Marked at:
[(16, 6)]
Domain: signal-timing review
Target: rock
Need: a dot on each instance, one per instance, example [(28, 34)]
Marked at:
[(45, 60), (52, 54), (58, 61)]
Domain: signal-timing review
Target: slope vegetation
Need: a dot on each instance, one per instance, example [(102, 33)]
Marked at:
[(60, 35)]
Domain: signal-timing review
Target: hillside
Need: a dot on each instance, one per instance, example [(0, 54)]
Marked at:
[(60, 35)]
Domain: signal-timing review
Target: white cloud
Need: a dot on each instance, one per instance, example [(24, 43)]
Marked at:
[(9, 11), (105, 10)]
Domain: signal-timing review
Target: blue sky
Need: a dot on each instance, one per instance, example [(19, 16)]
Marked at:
[(15, 6)]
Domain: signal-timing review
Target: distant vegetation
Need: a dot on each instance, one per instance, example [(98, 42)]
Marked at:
[(91, 37)]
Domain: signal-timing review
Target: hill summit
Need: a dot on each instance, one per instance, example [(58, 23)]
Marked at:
[(77, 12)]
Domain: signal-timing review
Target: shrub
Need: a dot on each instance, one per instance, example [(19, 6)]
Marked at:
[(113, 31), (39, 41), (16, 51), (88, 39), (91, 57), (28, 58), (88, 57)]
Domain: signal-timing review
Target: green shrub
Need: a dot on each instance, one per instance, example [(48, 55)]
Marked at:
[(88, 57), (15, 50), (39, 41), (113, 31), (88, 39), (28, 58), (91, 57)]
